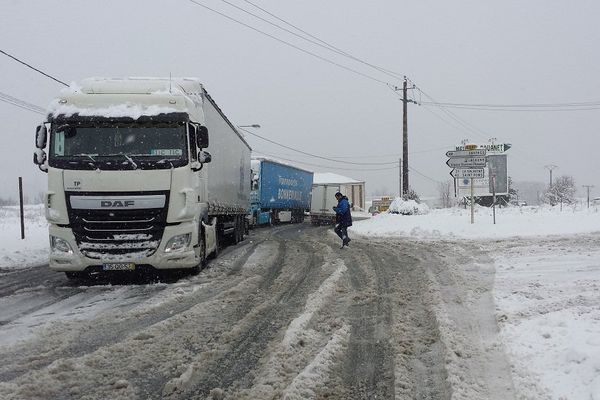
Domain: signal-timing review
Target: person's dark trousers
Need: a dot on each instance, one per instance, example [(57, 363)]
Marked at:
[(341, 230)]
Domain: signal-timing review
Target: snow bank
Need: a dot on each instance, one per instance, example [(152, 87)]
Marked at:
[(407, 207), (547, 294), (34, 249), (456, 223)]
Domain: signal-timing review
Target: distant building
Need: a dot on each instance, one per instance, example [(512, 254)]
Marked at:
[(351, 188)]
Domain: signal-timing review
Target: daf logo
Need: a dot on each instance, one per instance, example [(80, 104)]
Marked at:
[(116, 203)]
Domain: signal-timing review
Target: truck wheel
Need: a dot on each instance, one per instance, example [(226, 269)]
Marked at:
[(76, 275), (202, 245), (218, 239)]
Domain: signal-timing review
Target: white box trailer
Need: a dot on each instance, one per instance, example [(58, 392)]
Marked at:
[(131, 182), (322, 202)]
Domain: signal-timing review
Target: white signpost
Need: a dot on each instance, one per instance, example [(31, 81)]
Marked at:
[(465, 163), (468, 173), (457, 162), (466, 153)]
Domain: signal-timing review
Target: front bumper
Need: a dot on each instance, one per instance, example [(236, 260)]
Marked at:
[(76, 261)]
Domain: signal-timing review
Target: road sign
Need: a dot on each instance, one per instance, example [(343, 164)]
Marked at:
[(467, 173), (465, 153), (466, 162)]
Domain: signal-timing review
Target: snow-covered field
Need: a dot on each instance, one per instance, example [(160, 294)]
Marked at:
[(22, 253), (546, 288)]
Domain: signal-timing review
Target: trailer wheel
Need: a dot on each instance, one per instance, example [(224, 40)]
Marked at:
[(235, 238), (242, 226)]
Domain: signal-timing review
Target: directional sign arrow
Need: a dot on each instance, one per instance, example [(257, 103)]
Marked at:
[(466, 162), (467, 173), (465, 153)]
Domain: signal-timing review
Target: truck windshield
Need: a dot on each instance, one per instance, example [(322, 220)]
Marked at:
[(126, 146)]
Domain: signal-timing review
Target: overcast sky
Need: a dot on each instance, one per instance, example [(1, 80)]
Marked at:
[(473, 52)]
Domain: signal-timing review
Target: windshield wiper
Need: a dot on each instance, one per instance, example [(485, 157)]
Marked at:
[(86, 155), (166, 160), (129, 159)]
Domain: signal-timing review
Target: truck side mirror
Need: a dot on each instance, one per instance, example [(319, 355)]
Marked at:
[(41, 136), (202, 137), (39, 158), (204, 157)]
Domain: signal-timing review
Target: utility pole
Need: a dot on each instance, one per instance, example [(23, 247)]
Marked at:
[(588, 193), (400, 177), (550, 168), (405, 100), (404, 139)]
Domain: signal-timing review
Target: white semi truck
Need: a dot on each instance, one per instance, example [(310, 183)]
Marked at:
[(131, 182)]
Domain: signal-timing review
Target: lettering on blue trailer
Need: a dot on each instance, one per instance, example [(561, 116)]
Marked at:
[(287, 194), (288, 181)]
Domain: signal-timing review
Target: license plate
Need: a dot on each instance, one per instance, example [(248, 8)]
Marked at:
[(118, 266)]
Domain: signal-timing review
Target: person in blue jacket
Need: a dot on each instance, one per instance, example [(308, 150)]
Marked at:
[(343, 218)]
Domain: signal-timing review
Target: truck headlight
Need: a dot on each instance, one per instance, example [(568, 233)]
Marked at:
[(59, 245), (178, 243)]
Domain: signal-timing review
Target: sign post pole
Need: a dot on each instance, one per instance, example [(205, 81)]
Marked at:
[(494, 196), (472, 203), (22, 215)]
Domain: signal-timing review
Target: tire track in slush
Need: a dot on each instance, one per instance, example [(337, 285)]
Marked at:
[(368, 368), (111, 332), (246, 350), (420, 354)]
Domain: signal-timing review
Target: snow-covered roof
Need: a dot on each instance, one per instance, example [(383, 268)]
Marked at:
[(256, 160), (321, 178), (128, 97)]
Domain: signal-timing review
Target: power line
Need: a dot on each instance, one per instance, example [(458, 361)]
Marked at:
[(319, 42), (394, 155), (33, 68), (476, 131), (532, 109), (290, 44), (348, 169), (21, 103), (325, 166), (533, 105), (313, 155)]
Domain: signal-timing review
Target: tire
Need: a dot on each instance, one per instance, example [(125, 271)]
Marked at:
[(76, 275), (218, 239), (196, 270), (235, 238), (240, 229)]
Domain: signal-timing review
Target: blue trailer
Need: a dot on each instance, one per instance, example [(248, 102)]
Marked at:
[(280, 192)]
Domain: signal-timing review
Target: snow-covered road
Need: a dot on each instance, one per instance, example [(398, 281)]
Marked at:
[(285, 314)]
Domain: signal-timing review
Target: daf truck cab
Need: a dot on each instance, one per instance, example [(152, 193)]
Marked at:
[(134, 181)]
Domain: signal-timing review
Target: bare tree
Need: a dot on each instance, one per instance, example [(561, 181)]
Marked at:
[(411, 195), (562, 191), (444, 191)]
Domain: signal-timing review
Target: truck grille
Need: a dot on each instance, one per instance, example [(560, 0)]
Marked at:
[(118, 234)]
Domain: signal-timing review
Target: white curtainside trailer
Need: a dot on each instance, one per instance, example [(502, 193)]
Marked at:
[(142, 172)]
